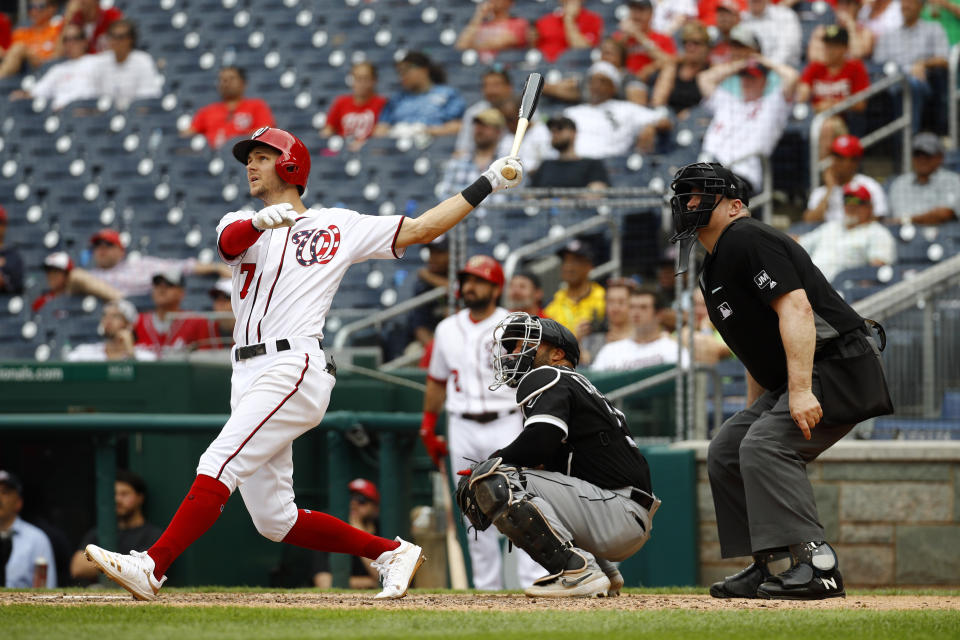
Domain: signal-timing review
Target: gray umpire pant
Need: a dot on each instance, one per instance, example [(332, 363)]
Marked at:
[(757, 465), (604, 523)]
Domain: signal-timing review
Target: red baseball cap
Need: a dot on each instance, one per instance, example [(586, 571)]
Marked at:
[(59, 260), (730, 5), (3, 215), (859, 192), (365, 488), (110, 236), (847, 146)]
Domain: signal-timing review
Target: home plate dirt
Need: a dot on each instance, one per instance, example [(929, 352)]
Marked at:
[(464, 602)]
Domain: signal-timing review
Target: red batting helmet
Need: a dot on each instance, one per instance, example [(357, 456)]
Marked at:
[(484, 267), (293, 165)]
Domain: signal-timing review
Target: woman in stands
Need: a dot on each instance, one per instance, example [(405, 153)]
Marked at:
[(676, 85)]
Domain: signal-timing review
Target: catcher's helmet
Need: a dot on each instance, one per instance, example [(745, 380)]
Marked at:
[(483, 267), (293, 165), (527, 332)]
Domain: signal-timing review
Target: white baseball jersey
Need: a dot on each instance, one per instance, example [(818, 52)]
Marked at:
[(463, 358), (283, 284)]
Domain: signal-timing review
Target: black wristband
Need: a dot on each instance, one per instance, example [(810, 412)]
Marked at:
[(476, 192)]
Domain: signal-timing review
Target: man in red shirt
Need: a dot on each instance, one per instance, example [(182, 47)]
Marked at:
[(235, 115), (161, 332), (353, 116), (570, 27), (94, 20), (647, 50)]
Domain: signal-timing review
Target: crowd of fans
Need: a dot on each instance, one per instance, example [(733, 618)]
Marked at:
[(742, 63)]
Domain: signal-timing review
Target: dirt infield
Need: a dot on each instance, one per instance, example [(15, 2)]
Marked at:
[(478, 602)]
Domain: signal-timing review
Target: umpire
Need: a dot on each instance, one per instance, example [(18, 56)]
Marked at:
[(813, 372)]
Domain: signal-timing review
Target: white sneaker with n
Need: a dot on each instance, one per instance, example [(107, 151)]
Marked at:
[(397, 569), (133, 572)]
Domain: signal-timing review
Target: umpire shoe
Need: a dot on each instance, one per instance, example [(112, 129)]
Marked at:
[(744, 584), (397, 569), (133, 572), (814, 576), (586, 582)]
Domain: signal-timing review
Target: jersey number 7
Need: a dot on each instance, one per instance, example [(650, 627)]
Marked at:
[(247, 269)]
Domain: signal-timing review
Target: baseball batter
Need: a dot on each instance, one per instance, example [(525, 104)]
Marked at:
[(572, 489), (478, 420), (287, 263)]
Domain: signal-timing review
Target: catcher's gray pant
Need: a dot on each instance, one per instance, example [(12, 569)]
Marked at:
[(605, 523), (757, 464)]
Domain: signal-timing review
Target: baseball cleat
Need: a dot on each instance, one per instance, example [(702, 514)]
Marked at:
[(133, 572), (742, 584), (588, 583), (814, 576), (397, 569)]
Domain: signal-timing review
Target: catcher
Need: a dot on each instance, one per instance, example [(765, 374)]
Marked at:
[(573, 489)]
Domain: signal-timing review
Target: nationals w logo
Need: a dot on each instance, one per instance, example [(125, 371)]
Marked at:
[(316, 246)]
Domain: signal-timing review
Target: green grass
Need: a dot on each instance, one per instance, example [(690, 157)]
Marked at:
[(98, 622)]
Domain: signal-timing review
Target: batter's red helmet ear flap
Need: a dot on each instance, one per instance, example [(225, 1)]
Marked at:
[(293, 165)]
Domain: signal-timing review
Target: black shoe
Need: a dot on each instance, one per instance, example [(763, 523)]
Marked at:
[(814, 576), (743, 584)]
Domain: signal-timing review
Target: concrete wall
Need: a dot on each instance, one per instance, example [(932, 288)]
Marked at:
[(891, 509)]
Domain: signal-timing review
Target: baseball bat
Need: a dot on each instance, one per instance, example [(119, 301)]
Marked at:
[(458, 570), (528, 104)]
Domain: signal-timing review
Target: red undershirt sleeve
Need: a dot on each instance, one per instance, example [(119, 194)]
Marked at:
[(238, 237)]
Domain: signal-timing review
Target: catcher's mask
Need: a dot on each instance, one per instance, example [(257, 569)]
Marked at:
[(698, 188), (515, 343)]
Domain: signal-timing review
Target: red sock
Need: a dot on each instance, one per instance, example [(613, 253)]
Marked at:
[(322, 532), (198, 511)]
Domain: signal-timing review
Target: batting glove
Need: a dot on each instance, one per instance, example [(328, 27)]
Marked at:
[(275, 216), (435, 445), (497, 181)]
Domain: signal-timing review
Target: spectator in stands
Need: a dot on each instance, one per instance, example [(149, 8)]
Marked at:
[(778, 29), (11, 262), (880, 16), (162, 329), (57, 267), (569, 27), (580, 303), (496, 90), (66, 81), (235, 115), (525, 293), (94, 20), (354, 115), (619, 324), (947, 13), (535, 147), (749, 98), (860, 37), (116, 325), (488, 127), (6, 32), (826, 201), (647, 50), (35, 44), (223, 324), (918, 48), (569, 169), (123, 73), (133, 530), (423, 320), (676, 86), (648, 347), (135, 277), (492, 29), (21, 543), (727, 17), (669, 16), (856, 241), (571, 87), (424, 102), (364, 514), (836, 78), (929, 194), (608, 127), (708, 11)]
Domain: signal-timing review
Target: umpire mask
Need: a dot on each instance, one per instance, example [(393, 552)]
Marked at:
[(698, 188), (515, 343)]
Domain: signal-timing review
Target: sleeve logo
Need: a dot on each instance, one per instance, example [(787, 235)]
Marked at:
[(763, 280), (725, 310)]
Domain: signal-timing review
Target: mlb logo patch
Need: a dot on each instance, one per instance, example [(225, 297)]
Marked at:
[(763, 280), (725, 310)]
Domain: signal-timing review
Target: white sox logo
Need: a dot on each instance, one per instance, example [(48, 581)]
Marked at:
[(307, 242)]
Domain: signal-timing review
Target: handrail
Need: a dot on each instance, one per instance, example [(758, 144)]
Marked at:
[(903, 122), (340, 340), (953, 68), (905, 293)]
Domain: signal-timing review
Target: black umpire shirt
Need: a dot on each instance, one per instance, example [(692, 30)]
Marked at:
[(752, 265), (570, 428)]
